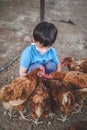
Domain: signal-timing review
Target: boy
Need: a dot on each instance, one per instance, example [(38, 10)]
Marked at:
[(40, 53)]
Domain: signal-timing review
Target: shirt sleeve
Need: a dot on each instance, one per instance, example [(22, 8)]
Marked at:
[(55, 57), (25, 59)]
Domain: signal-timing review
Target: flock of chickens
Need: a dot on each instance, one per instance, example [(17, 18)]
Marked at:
[(61, 93)]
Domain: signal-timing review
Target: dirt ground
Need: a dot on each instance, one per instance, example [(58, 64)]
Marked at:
[(17, 20)]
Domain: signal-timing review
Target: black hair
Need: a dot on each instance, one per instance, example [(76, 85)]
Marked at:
[(45, 33)]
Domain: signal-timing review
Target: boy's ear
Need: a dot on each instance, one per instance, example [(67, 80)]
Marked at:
[(33, 39)]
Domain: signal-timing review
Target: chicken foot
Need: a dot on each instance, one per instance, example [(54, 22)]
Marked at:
[(23, 117), (51, 115), (36, 122), (77, 109), (10, 113), (63, 118)]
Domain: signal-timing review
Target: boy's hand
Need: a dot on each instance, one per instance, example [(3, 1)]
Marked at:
[(42, 68), (42, 73), (63, 63)]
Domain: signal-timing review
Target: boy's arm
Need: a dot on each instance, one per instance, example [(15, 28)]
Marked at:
[(23, 71), (58, 67)]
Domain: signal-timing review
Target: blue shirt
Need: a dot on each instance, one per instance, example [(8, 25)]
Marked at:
[(30, 56)]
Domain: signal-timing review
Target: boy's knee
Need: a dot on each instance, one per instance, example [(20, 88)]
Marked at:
[(50, 67), (33, 66)]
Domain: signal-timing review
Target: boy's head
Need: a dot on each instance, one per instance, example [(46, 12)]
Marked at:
[(45, 33)]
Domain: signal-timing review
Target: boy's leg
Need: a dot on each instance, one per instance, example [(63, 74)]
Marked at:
[(33, 66), (50, 67)]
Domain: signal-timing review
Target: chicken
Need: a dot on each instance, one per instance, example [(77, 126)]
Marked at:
[(76, 78), (67, 100), (78, 125), (15, 94), (78, 65), (78, 81), (53, 86), (64, 100), (40, 102)]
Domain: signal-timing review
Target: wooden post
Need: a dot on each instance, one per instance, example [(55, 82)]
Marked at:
[(42, 10)]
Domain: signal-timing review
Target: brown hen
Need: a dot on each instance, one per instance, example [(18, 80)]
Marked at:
[(40, 102), (78, 65), (15, 94), (53, 86), (76, 78), (64, 100)]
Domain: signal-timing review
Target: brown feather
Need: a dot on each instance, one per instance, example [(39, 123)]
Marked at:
[(40, 102), (75, 65), (19, 90), (76, 78)]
